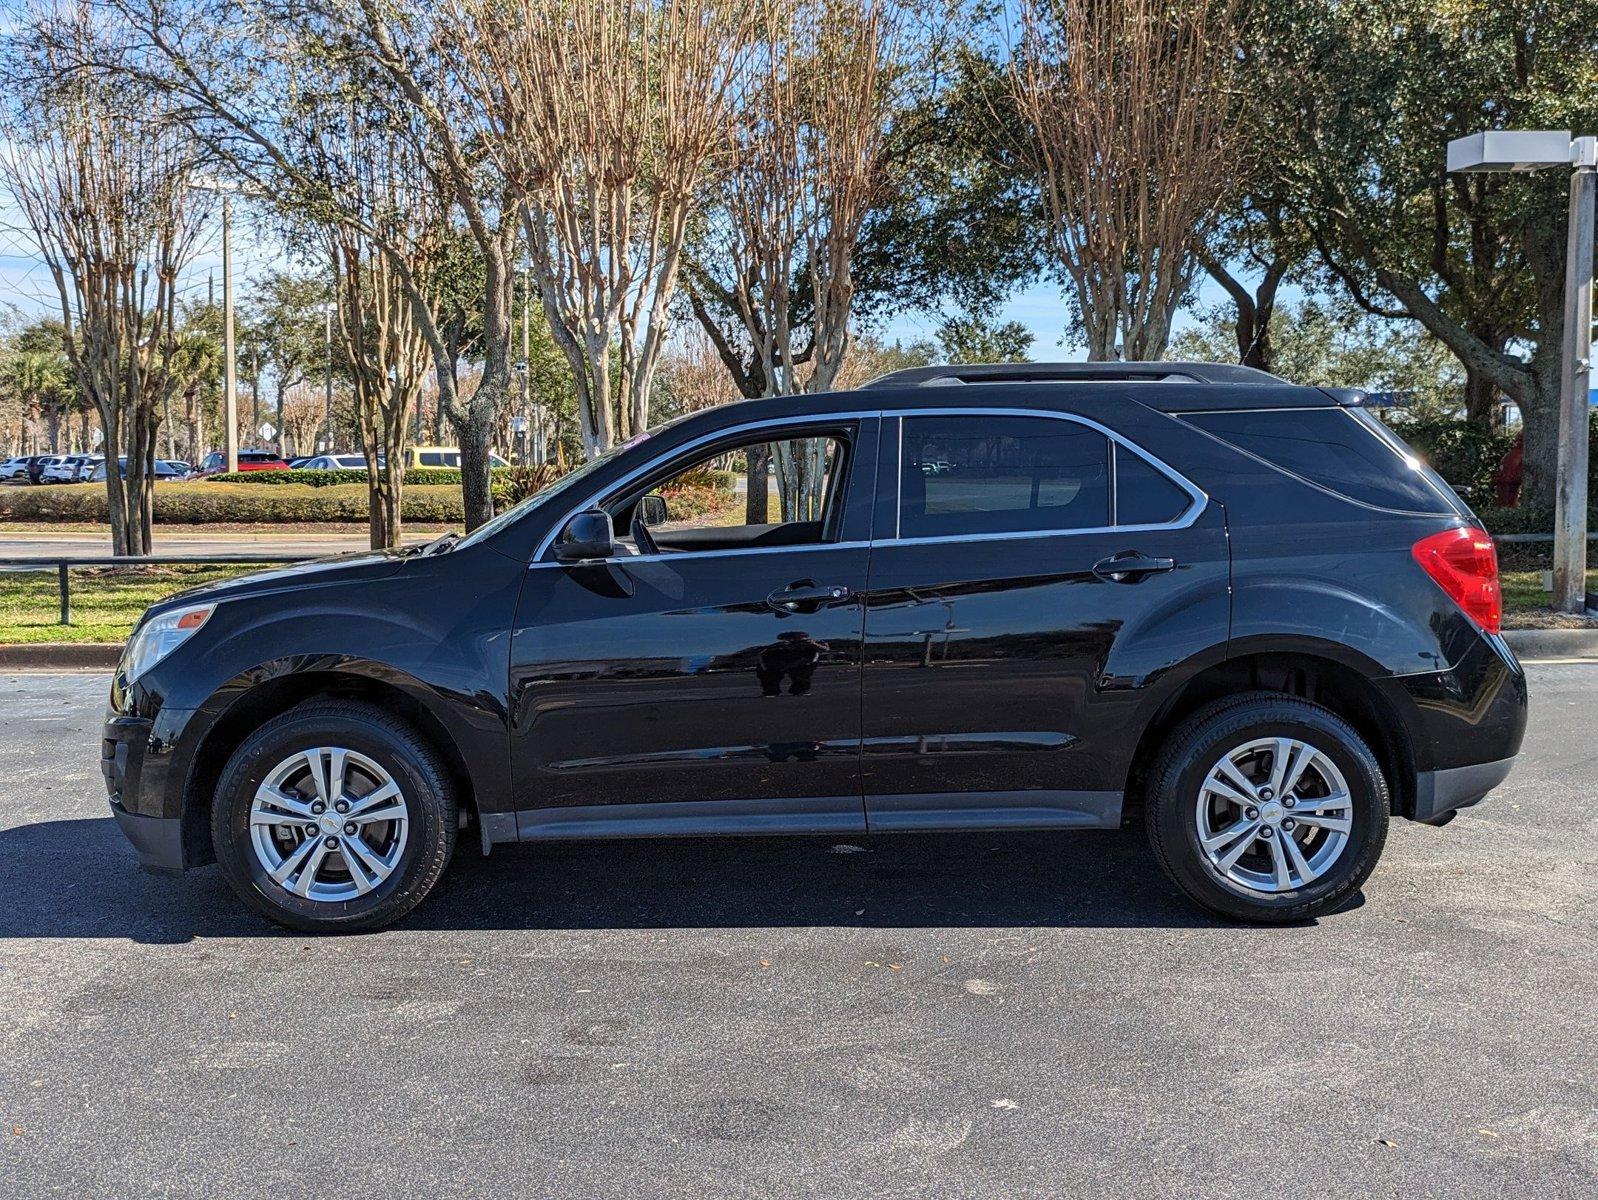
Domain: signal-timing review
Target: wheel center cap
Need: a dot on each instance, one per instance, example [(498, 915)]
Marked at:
[(1271, 812), (330, 822)]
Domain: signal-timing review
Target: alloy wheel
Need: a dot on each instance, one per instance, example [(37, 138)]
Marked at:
[(1274, 814), (329, 824)]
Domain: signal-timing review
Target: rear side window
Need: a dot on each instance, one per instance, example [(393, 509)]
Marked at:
[(1001, 474), (1143, 496), (1337, 450)]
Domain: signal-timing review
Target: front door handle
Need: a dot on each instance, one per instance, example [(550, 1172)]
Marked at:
[(1131, 565), (807, 596)]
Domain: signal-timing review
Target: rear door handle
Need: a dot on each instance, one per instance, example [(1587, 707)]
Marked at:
[(1131, 565), (807, 596)]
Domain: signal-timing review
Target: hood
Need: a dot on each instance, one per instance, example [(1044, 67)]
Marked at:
[(341, 568)]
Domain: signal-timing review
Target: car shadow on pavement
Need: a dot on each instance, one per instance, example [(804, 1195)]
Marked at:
[(78, 879)]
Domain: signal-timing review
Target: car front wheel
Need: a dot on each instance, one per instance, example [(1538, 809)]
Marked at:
[(1267, 807), (334, 817)]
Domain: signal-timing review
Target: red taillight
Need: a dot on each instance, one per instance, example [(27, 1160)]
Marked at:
[(1464, 564)]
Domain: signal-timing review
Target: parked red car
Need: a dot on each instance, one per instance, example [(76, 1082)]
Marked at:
[(249, 460)]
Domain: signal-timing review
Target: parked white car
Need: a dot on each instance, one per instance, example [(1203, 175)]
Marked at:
[(334, 462), (63, 468), (87, 466), (15, 468)]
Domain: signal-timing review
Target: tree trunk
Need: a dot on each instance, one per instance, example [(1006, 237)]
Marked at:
[(757, 507), (385, 487), (1539, 412), (475, 435), (1481, 400)]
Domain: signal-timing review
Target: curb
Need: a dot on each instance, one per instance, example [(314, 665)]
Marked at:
[(61, 656), (1553, 643)]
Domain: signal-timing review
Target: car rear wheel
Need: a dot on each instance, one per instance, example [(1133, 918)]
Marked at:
[(334, 817), (1267, 807)]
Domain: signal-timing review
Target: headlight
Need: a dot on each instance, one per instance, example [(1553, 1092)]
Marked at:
[(161, 635)]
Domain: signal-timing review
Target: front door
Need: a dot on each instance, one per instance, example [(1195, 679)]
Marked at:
[(1035, 574), (707, 677)]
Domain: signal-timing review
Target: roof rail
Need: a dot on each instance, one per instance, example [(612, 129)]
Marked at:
[(1089, 372)]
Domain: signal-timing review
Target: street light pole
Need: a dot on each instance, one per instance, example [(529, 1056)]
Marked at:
[(1570, 497), (1532, 150), (230, 380), (327, 372)]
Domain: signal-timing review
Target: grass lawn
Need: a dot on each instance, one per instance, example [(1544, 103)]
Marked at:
[(1527, 606), (105, 601)]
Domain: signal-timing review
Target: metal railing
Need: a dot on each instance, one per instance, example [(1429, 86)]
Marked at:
[(63, 566)]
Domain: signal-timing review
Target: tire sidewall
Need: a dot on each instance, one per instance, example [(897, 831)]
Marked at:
[(1327, 734), (274, 743)]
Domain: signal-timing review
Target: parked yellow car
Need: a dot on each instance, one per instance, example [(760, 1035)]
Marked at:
[(442, 456)]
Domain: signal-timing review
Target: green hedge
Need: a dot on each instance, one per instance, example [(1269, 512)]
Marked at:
[(204, 503)]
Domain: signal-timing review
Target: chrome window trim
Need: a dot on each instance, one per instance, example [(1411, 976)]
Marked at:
[(1199, 501), (678, 556), (594, 498)]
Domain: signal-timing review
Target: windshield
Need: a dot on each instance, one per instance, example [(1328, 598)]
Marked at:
[(558, 488)]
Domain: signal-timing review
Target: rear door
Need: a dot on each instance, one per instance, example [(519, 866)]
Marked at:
[(1032, 575)]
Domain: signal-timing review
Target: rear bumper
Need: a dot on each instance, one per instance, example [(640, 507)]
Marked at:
[(1439, 794)]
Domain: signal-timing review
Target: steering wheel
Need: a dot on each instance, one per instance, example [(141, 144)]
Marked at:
[(642, 538)]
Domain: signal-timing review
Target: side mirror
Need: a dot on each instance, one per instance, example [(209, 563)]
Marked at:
[(587, 536), (652, 509)]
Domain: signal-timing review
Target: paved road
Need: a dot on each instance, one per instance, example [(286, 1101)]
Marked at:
[(15, 544), (1015, 1016)]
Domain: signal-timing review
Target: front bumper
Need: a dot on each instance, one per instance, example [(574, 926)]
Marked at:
[(134, 758)]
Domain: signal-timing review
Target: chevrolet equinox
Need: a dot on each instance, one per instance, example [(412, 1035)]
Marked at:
[(960, 598)]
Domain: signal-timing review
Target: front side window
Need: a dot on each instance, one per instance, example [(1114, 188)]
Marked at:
[(765, 493), (984, 474)]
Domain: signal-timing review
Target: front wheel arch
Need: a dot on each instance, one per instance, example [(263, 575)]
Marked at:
[(261, 699)]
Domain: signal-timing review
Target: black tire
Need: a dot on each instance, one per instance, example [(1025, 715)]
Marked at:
[(410, 760), (1196, 745)]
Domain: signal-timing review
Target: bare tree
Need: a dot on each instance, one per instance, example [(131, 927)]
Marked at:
[(383, 342), (101, 177), (606, 116), (1128, 112), (243, 75), (778, 246)]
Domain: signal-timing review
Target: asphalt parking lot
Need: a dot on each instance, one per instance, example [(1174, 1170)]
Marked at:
[(1005, 1016)]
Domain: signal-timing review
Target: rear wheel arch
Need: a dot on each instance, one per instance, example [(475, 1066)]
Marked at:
[(1333, 683), (278, 694)]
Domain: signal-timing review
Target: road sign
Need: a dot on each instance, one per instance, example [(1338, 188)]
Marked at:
[(267, 430)]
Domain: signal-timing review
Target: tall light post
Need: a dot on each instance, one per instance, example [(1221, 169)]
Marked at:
[(1533, 150), (327, 372), (230, 372)]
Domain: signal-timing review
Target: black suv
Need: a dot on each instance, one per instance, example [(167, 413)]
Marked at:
[(1034, 597)]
